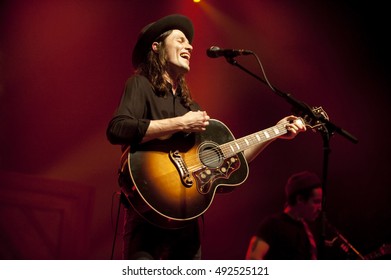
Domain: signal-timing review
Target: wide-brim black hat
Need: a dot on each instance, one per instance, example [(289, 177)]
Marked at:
[(153, 30)]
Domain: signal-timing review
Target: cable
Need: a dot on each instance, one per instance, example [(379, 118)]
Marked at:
[(264, 73), (116, 224)]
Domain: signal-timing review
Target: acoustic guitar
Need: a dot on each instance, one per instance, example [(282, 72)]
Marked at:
[(174, 181)]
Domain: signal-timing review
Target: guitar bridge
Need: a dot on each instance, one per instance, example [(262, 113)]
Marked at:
[(180, 165)]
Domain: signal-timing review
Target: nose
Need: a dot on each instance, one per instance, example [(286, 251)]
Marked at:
[(189, 47)]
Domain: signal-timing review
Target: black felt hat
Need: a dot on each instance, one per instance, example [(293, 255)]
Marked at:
[(153, 30)]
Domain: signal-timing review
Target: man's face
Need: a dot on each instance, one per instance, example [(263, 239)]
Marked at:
[(178, 51), (310, 209)]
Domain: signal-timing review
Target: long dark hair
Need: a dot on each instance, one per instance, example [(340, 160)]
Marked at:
[(153, 68)]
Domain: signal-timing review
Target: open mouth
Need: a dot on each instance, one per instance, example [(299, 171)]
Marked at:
[(185, 56)]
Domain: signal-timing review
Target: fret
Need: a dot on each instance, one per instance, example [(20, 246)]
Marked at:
[(266, 134), (231, 148)]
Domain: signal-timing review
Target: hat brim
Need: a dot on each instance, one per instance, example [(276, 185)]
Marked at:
[(153, 30)]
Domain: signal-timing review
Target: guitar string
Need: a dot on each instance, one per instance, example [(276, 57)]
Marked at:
[(227, 149), (209, 157)]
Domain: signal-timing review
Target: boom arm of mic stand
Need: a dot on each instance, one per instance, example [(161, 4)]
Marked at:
[(299, 105)]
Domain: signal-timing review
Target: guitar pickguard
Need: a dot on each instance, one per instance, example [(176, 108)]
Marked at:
[(206, 176)]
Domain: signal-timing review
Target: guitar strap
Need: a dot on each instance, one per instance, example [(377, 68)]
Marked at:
[(311, 239)]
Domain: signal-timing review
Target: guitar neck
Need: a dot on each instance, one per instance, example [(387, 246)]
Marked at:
[(239, 145)]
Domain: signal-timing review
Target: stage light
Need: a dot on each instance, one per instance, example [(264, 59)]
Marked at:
[(196, 1)]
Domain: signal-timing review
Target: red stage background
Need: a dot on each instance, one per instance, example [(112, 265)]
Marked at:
[(63, 67)]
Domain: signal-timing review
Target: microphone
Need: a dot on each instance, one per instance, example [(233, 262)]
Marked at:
[(214, 52)]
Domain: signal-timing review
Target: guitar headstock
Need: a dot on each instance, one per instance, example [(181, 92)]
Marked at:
[(312, 121), (384, 250)]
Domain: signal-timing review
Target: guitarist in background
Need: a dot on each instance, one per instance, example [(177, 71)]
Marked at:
[(156, 104), (288, 235)]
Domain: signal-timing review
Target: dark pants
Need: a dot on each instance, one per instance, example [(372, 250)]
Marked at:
[(143, 240)]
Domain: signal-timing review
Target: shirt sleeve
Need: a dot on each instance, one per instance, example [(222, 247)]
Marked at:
[(129, 123), (266, 230)]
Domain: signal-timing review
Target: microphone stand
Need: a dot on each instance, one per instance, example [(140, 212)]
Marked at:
[(327, 129)]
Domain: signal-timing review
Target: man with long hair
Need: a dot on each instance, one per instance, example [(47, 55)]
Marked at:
[(156, 104)]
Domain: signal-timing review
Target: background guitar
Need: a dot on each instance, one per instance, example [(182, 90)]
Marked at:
[(383, 250)]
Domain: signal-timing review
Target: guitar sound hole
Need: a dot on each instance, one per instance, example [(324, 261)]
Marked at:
[(210, 154)]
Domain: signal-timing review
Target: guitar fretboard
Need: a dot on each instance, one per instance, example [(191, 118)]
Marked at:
[(239, 145)]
